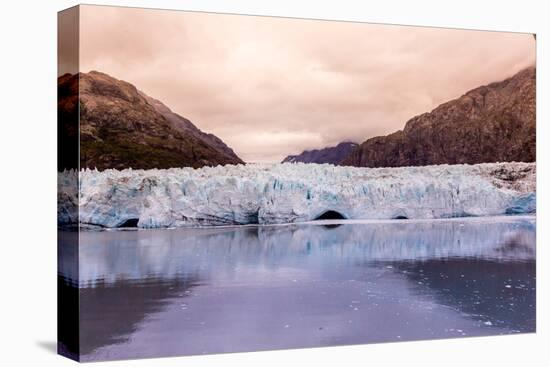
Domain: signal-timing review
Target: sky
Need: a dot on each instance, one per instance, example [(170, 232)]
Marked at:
[(270, 87)]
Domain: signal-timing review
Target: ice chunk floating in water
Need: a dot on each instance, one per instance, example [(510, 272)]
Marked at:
[(283, 193)]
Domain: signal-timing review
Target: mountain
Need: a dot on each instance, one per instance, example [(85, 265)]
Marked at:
[(327, 155), (186, 126), (492, 123), (121, 127)]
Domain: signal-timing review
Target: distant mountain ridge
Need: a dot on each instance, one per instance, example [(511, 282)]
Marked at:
[(121, 127), (333, 155), (492, 123)]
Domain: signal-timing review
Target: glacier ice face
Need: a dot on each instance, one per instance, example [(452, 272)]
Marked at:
[(282, 193), (67, 197)]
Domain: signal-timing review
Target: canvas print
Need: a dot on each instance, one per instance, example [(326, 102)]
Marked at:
[(233, 183)]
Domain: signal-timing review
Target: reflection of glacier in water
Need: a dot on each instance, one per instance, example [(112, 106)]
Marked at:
[(190, 291)]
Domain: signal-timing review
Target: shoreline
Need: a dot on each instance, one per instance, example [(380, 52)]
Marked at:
[(325, 222)]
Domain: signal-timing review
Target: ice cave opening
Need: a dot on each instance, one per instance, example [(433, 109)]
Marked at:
[(330, 214), (129, 223)]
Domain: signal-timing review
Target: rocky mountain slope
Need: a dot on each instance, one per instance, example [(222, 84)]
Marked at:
[(121, 127), (332, 155), (186, 126), (492, 123)]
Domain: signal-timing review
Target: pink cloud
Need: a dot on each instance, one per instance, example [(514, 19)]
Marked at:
[(270, 87)]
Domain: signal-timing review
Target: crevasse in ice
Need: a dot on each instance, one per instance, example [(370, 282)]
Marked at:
[(282, 193)]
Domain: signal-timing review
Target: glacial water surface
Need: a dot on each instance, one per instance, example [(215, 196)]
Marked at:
[(147, 293)]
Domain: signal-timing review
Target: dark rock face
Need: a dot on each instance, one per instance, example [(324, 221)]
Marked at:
[(332, 155), (493, 123), (121, 127)]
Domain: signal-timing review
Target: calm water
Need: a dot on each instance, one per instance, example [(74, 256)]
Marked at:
[(153, 293)]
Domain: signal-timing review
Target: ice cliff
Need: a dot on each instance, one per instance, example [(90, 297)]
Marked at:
[(282, 193)]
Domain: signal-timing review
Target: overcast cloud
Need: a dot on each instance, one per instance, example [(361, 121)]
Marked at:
[(270, 87)]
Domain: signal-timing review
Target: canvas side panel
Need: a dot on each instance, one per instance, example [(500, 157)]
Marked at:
[(67, 195)]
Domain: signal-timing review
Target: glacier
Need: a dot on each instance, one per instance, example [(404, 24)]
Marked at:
[(292, 192)]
